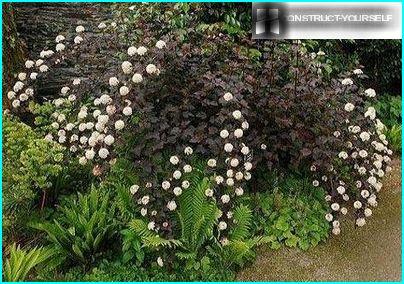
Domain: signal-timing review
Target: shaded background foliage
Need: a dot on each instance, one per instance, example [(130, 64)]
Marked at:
[(295, 218), (27, 26)]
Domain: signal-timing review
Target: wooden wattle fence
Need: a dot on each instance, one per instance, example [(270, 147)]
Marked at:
[(28, 28)]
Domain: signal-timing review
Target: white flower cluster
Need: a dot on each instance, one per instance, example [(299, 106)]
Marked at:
[(23, 89), (91, 132), (366, 154), (232, 170), (168, 189)]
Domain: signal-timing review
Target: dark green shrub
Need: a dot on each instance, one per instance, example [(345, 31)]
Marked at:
[(20, 263), (290, 211), (84, 228), (120, 272), (31, 167)]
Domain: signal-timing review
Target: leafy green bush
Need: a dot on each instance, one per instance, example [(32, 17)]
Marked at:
[(389, 108), (291, 212), (20, 263), (119, 272), (121, 177), (381, 60), (394, 137), (85, 226), (31, 166)]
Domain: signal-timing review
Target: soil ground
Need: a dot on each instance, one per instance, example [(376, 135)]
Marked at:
[(370, 253)]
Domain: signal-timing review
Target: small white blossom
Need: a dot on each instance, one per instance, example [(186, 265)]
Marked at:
[(219, 179), (160, 44), (137, 78), (238, 133), (78, 39), (341, 189), (90, 154), (357, 204), (230, 182), (245, 150), (145, 200), (343, 155), (371, 113), (363, 153), (160, 262), (151, 69), (347, 81), (187, 168), (33, 75), (60, 47), (368, 212), (364, 136), (212, 163), (151, 225), (329, 217), (177, 191), (103, 153), (222, 225), (172, 205), (119, 124), (82, 160), (335, 206), (113, 81), (224, 133), (43, 68), (360, 222), (349, 107), (174, 160), (228, 147), (23, 97), (134, 188), (102, 26), (185, 184), (247, 166), (132, 51), (209, 192), (344, 211), (22, 76), (141, 50), (29, 64), (237, 114), (127, 111), (80, 29), (227, 97), (177, 175), (126, 67), (109, 140), (370, 93), (239, 191), (18, 86)]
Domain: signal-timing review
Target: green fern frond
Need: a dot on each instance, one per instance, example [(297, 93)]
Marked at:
[(186, 255), (242, 223), (196, 214), (157, 241), (140, 228), (149, 238)]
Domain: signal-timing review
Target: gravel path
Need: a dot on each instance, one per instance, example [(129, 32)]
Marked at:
[(370, 253)]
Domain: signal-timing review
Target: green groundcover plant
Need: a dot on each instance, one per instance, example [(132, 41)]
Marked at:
[(201, 144)]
